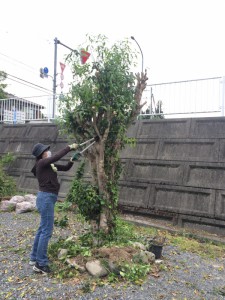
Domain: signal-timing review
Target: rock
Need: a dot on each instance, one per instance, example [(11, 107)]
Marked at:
[(17, 199), (72, 238), (144, 257), (151, 257), (62, 254), (113, 267), (24, 206), (158, 261), (7, 206), (72, 262), (141, 257), (138, 245), (30, 198), (96, 269)]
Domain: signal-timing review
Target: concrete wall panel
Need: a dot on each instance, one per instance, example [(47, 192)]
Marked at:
[(189, 150), (206, 176), (208, 128), (135, 195), (22, 162), (42, 132), (144, 149), (155, 171), (65, 185), (18, 146), (220, 205), (132, 130), (184, 200), (11, 131), (28, 183), (167, 129), (222, 150), (3, 145)]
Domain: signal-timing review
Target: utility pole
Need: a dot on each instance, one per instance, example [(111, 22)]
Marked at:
[(54, 77), (56, 42), (83, 54)]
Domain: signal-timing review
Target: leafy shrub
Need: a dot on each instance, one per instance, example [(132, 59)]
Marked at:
[(7, 183), (134, 272), (86, 196)]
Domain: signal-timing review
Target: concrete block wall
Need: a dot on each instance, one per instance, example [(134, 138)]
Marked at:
[(20, 139), (175, 172)]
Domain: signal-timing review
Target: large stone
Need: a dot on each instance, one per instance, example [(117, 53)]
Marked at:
[(7, 206), (17, 199), (151, 257), (96, 269), (138, 245), (24, 206), (73, 263), (141, 257), (144, 257), (30, 198), (62, 254)]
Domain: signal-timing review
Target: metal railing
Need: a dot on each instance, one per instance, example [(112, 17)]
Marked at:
[(190, 98), (19, 110), (200, 97)]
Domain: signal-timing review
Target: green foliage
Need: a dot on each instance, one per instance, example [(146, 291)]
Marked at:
[(134, 272), (63, 222), (123, 233), (2, 85), (7, 183), (103, 90), (86, 196), (101, 102), (74, 248)]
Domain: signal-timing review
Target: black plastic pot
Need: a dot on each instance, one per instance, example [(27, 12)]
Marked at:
[(157, 250)]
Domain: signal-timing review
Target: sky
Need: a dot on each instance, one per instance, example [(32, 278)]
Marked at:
[(180, 39)]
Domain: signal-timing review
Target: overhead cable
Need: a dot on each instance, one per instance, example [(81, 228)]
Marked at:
[(17, 61), (28, 82), (28, 85)]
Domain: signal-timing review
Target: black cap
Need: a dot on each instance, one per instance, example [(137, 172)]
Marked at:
[(39, 148)]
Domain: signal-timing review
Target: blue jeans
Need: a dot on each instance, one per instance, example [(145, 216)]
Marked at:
[(45, 204)]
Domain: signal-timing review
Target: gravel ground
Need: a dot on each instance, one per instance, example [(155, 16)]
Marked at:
[(188, 276)]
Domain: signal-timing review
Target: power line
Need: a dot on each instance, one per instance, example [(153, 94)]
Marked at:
[(17, 61), (27, 85), (29, 82), (40, 96)]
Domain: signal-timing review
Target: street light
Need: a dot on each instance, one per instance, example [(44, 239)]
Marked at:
[(56, 42), (142, 68)]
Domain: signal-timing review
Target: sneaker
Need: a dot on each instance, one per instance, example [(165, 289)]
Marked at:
[(41, 269), (32, 262)]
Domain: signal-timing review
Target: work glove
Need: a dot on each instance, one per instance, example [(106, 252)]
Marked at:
[(54, 168), (73, 146), (76, 156)]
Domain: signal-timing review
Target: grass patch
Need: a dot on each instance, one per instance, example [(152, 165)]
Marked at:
[(204, 248)]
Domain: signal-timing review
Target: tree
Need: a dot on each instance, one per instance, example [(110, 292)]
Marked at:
[(2, 85), (104, 99)]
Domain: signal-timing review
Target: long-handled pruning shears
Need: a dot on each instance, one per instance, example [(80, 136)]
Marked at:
[(80, 153)]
